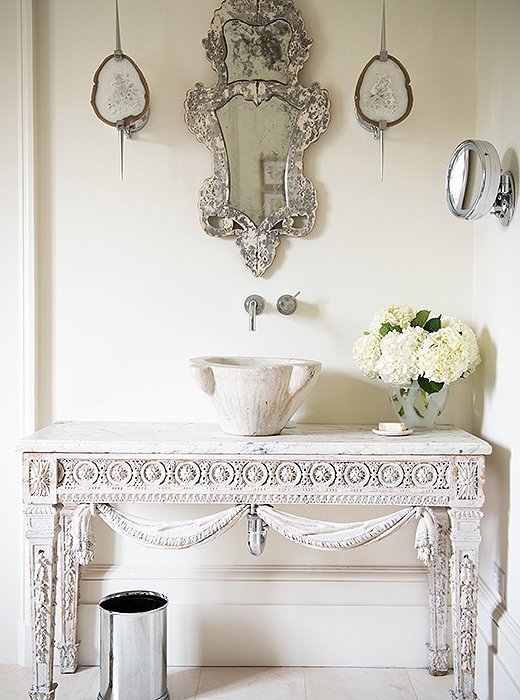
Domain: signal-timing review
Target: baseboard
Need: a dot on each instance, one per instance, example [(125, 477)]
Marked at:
[(276, 615), (498, 653), (253, 573)]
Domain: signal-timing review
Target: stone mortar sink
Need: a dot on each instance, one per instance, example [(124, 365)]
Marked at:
[(255, 395)]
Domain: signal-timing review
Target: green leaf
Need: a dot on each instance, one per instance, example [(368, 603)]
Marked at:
[(429, 386), (420, 318), (388, 328), (433, 324), (401, 412), (418, 412)]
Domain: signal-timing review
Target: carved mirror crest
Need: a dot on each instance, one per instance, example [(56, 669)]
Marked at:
[(257, 120)]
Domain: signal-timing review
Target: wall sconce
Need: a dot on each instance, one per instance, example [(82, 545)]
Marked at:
[(383, 96), (120, 95)]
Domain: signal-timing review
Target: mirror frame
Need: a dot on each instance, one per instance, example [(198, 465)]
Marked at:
[(257, 243), (496, 193)]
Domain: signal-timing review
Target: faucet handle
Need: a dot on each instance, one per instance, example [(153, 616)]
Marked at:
[(254, 306), (287, 304)]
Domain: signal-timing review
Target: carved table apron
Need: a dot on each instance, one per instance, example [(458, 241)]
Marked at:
[(437, 476)]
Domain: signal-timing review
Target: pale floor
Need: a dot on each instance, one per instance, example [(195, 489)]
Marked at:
[(255, 684)]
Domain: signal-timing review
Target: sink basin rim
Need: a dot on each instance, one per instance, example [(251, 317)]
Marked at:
[(244, 362)]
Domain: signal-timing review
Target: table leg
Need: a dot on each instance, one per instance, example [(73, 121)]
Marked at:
[(465, 538), (42, 527), (68, 577), (438, 586)]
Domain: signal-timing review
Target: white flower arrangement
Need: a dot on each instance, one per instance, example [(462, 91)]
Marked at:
[(402, 346)]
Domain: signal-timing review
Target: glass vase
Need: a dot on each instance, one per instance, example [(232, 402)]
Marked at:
[(415, 407)]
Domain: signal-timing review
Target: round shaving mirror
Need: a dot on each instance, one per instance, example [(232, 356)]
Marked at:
[(476, 185)]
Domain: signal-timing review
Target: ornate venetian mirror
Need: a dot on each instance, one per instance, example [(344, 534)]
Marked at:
[(476, 184), (257, 120)]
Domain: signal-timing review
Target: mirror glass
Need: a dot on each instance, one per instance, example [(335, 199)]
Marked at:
[(476, 185), (257, 53), (458, 180), (472, 179), (257, 120), (257, 142)]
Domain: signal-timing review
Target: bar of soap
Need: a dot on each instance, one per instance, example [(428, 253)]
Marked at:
[(392, 427)]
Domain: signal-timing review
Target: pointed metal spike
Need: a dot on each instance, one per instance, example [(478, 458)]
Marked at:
[(121, 133), (382, 151), (383, 54), (118, 53)]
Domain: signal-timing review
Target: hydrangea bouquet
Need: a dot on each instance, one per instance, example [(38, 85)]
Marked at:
[(404, 348)]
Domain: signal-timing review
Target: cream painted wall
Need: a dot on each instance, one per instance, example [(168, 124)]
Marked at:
[(10, 315), (495, 302), (130, 287)]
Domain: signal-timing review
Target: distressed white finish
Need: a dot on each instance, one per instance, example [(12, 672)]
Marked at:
[(182, 534), (104, 463), (255, 395), (69, 593), (204, 438), (219, 217)]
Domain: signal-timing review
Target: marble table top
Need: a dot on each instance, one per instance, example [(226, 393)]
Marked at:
[(204, 438)]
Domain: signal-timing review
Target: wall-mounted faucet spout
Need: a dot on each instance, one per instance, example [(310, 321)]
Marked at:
[(254, 305), (256, 533)]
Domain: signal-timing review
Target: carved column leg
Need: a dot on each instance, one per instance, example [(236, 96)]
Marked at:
[(465, 537), (438, 585), (42, 526), (68, 577)]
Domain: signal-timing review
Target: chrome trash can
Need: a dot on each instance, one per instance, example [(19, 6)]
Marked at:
[(133, 646)]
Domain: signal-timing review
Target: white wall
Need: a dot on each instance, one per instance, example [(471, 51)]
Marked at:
[(130, 288), (495, 300), (10, 315)]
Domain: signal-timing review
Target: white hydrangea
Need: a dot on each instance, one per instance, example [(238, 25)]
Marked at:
[(366, 352), (473, 351), (396, 315), (400, 357), (398, 363), (449, 353)]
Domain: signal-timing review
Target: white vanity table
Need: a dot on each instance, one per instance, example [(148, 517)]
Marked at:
[(81, 467)]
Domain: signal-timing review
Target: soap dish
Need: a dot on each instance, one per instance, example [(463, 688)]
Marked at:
[(388, 433)]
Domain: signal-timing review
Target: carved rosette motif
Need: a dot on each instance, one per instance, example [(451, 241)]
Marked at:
[(322, 474), (153, 473), (467, 480), (230, 480), (288, 474), (255, 474), (221, 473), (40, 477), (357, 474), (187, 473), (119, 473), (391, 474), (86, 472), (424, 475)]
